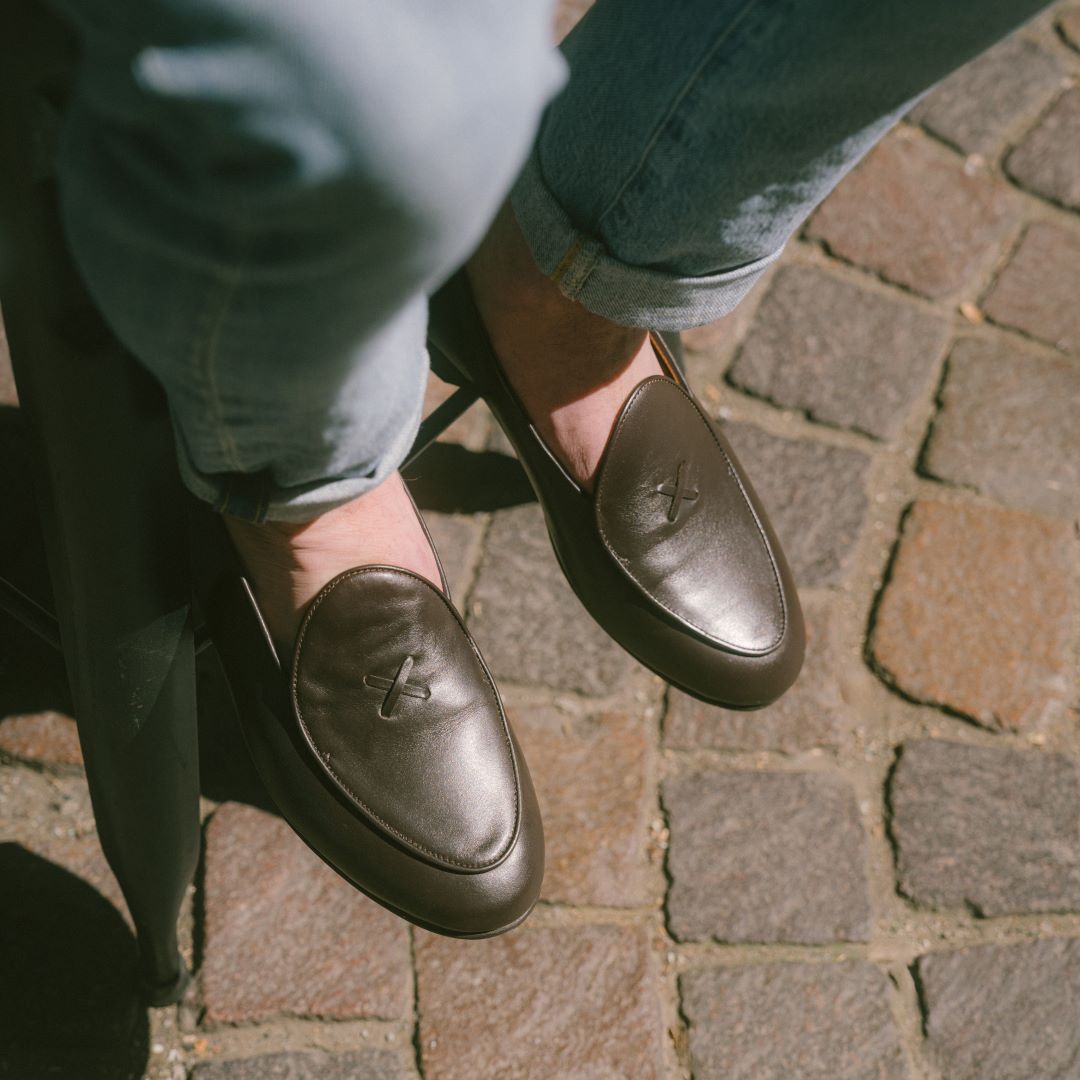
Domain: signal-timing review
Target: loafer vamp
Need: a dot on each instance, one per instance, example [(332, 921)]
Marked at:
[(672, 512), (400, 713)]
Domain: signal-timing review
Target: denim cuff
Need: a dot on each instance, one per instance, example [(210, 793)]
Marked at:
[(256, 498), (629, 295)]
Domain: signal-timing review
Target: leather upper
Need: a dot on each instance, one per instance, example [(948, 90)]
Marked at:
[(401, 714), (672, 512)]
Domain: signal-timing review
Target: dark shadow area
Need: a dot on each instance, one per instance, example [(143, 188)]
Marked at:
[(68, 1005), (451, 479)]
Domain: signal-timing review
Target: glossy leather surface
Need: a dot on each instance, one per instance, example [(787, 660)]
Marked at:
[(428, 809), (674, 556)]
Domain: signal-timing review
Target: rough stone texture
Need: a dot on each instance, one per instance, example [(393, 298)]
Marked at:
[(44, 738), (812, 713), (1069, 26), (758, 856), (530, 627), (910, 212), (844, 355), (594, 781), (571, 1002), (285, 934), (815, 497), (977, 106), (455, 536), (1036, 292), (308, 1065), (976, 615), (1008, 427), (1005, 1012), (1048, 160), (990, 828), (781, 1021)]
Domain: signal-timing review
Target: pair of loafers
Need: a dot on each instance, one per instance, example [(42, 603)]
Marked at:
[(384, 741)]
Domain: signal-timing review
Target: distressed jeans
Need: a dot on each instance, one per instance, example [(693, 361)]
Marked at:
[(261, 194)]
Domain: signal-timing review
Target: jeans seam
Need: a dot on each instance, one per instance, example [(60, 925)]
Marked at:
[(676, 102)]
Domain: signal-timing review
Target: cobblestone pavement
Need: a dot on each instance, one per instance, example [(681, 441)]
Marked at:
[(877, 877)]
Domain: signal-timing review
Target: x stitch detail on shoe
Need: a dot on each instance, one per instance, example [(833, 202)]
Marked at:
[(678, 492), (397, 687)]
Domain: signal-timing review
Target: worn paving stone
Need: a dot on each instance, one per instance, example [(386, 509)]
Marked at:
[(781, 1021), (1036, 292), (911, 213), (812, 713), (815, 496), (530, 626), (976, 615), (308, 1065), (48, 738), (285, 934), (843, 355), (593, 781), (1048, 160), (1007, 427), (762, 857), (1069, 26), (455, 537), (535, 1004), (991, 828), (1004, 1012), (976, 107)]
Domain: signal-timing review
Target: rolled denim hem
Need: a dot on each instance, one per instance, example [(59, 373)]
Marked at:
[(254, 497), (629, 295)]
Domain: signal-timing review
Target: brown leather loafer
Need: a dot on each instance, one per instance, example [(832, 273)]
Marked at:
[(673, 554), (385, 745)]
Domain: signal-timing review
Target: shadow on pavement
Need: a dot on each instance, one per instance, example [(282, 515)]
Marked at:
[(454, 480)]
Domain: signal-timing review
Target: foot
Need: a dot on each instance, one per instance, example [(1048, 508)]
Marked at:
[(571, 369), (289, 563)]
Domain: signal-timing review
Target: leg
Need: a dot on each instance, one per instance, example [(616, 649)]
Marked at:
[(661, 188), (259, 196)]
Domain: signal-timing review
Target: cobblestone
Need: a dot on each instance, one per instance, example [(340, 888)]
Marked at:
[(781, 1021), (594, 781), (951, 220), (815, 496), (976, 615), (43, 738), (530, 626), (846, 356), (759, 856), (542, 1003), (1004, 1012), (308, 1065), (1048, 160), (812, 713), (1036, 292), (1007, 427), (976, 107), (304, 942), (988, 828)]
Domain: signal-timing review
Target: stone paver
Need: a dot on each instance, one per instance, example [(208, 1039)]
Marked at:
[(285, 934), (594, 781), (1069, 26), (782, 1021), (844, 355), (1005, 1012), (1047, 162), (760, 856), (44, 738), (455, 537), (976, 615), (815, 496), (911, 213), (308, 1065), (990, 828), (1036, 292), (1007, 426), (812, 713), (530, 626), (975, 108), (536, 1004)]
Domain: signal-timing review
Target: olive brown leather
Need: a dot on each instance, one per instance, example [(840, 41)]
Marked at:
[(672, 554), (385, 745)]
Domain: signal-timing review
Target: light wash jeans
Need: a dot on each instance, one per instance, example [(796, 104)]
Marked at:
[(260, 194)]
